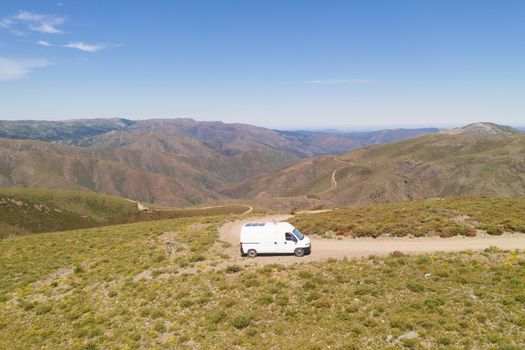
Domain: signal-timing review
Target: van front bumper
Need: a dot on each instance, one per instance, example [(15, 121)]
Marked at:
[(308, 249)]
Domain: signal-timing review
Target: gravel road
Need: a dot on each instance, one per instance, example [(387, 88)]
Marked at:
[(362, 247)]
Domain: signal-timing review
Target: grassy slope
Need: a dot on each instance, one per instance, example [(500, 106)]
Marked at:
[(25, 211), (445, 217), (83, 289)]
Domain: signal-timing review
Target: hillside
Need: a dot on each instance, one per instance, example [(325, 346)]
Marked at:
[(24, 211), (168, 284), (177, 162), (467, 216), (436, 165)]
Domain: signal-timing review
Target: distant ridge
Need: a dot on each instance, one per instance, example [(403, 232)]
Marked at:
[(60, 131), (483, 128)]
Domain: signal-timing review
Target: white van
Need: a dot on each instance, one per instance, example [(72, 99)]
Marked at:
[(273, 238)]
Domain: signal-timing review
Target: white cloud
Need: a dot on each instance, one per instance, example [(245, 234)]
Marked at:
[(5, 23), (85, 47), (44, 43), (11, 69), (45, 28), (29, 16), (338, 81), (47, 24)]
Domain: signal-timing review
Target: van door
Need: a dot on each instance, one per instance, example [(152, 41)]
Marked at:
[(287, 242)]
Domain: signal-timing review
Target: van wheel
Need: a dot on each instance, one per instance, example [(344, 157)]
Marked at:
[(252, 253), (299, 252)]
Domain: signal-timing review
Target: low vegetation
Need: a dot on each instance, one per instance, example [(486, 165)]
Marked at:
[(24, 211), (166, 284), (444, 217)]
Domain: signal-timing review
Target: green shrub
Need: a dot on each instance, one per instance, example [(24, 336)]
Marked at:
[(415, 287), (233, 268), (43, 309), (241, 321), (456, 230), (160, 327), (217, 316), (197, 258), (433, 303), (493, 230), (185, 303), (266, 299), (305, 274)]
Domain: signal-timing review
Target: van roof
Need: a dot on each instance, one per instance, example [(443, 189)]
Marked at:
[(250, 224), (261, 224)]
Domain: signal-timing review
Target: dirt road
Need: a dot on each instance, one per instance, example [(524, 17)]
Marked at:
[(362, 247)]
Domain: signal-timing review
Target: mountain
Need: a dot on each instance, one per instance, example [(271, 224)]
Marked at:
[(175, 162), (483, 128), (435, 165)]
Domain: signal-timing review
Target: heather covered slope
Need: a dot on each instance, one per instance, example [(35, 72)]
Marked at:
[(429, 166), (24, 211), (444, 217)]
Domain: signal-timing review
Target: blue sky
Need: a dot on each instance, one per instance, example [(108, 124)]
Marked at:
[(283, 64)]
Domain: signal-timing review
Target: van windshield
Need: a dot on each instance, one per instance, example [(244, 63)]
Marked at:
[(298, 234)]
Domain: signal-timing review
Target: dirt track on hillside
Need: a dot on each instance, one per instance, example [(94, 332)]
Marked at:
[(362, 247)]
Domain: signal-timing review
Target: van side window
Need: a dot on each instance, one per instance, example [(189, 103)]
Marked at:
[(290, 237)]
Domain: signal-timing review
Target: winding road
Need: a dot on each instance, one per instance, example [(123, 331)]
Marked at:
[(363, 247), (142, 207)]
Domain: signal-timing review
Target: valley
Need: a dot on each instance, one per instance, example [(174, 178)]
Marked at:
[(177, 162), (415, 244)]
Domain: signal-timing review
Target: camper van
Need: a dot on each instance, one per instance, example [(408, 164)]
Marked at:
[(273, 238)]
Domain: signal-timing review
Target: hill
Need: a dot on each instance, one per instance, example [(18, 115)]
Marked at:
[(483, 128), (176, 162), (467, 216), (168, 284), (24, 211), (436, 165)]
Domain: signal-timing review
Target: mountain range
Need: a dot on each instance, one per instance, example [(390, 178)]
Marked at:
[(176, 162), (478, 159), (183, 162)]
